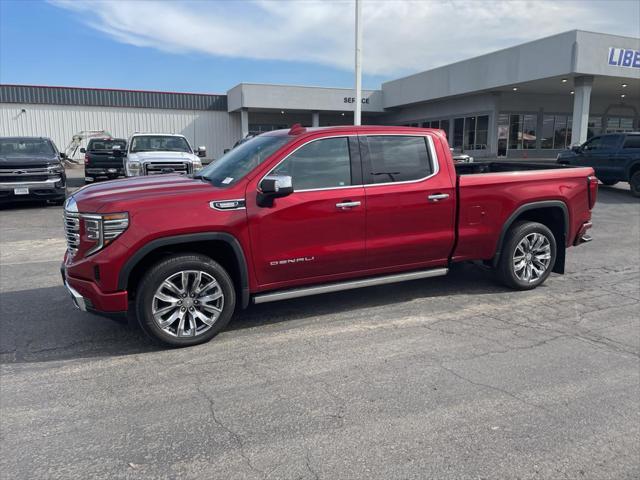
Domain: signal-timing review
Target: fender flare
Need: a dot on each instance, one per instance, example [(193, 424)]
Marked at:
[(125, 271), (533, 206), (634, 166)]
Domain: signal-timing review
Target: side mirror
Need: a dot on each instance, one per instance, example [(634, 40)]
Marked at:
[(226, 150), (63, 156), (83, 150), (201, 151), (272, 187)]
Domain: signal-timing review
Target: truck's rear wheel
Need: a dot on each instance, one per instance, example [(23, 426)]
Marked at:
[(634, 182), (185, 300), (528, 256)]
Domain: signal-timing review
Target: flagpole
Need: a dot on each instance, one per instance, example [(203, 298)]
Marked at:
[(357, 118)]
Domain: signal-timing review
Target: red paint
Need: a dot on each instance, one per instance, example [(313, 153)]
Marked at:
[(395, 228)]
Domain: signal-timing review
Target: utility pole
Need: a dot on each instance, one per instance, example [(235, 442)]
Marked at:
[(357, 118)]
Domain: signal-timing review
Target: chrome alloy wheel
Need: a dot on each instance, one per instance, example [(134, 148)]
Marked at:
[(532, 257), (187, 303)]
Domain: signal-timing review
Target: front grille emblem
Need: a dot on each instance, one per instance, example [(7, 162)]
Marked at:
[(19, 172)]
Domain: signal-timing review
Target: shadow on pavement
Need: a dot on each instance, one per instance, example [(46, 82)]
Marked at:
[(616, 195), (41, 325)]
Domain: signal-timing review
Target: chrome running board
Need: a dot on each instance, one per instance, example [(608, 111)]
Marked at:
[(348, 285)]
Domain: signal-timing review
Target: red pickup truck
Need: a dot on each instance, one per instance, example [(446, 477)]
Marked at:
[(308, 211)]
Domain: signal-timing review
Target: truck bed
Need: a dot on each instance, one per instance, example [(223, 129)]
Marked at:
[(488, 193)]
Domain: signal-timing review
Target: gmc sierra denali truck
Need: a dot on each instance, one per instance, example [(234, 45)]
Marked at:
[(308, 211), (31, 169), (157, 153), (615, 157)]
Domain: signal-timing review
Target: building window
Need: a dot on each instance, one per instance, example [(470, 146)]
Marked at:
[(444, 125), (458, 132), (469, 133), (398, 159), (522, 131), (594, 126), (546, 140), (482, 132)]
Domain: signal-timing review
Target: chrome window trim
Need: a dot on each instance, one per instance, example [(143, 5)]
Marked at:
[(305, 144), (432, 154)]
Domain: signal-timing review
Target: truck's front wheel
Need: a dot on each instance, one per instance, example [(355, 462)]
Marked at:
[(528, 256), (185, 300)]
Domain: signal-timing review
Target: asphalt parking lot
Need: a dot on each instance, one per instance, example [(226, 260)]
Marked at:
[(446, 378)]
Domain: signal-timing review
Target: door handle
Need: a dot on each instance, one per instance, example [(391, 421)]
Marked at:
[(436, 197), (345, 205)]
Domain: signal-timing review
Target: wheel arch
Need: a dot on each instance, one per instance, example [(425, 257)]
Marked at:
[(633, 168), (552, 213), (220, 246)]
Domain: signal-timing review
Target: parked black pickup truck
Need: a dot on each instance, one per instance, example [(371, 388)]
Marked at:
[(99, 161), (615, 157), (31, 168)]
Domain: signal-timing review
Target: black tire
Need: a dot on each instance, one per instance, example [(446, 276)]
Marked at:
[(162, 271), (634, 182), (608, 183), (507, 273)]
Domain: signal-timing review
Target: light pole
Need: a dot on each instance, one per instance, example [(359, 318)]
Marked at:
[(357, 118)]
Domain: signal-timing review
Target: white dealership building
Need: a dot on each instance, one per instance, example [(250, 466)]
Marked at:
[(527, 101)]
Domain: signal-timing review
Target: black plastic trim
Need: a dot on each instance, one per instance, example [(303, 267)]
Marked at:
[(123, 276), (533, 206)]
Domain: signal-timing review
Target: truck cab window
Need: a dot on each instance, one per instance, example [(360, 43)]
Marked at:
[(632, 141), (319, 164), (398, 158)]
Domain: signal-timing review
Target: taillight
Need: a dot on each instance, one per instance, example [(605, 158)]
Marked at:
[(593, 190), (86, 158)]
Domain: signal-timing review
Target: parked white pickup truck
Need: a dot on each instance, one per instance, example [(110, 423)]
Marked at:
[(157, 153)]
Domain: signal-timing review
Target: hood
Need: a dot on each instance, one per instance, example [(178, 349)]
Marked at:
[(129, 193), (160, 156), (22, 161)]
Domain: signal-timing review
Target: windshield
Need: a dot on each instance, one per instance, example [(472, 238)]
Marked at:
[(106, 144), (241, 160), (159, 143), (25, 146)]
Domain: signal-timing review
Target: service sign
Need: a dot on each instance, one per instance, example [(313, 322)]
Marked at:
[(624, 57)]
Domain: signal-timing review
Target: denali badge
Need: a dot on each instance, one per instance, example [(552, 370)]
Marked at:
[(291, 260)]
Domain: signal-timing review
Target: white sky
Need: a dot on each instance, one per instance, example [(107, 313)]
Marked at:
[(400, 36)]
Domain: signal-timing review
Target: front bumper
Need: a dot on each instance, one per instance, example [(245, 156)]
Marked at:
[(50, 188), (88, 297), (103, 173)]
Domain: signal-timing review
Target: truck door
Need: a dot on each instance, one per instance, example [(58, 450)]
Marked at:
[(629, 153), (318, 230), (600, 154), (410, 202)]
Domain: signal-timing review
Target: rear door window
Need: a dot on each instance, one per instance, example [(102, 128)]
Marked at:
[(632, 141), (397, 158)]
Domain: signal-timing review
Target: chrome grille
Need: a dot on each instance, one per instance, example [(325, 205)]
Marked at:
[(72, 231), (159, 168)]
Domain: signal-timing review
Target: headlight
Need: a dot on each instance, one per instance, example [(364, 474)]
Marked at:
[(197, 165), (55, 169), (101, 230), (133, 168)]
